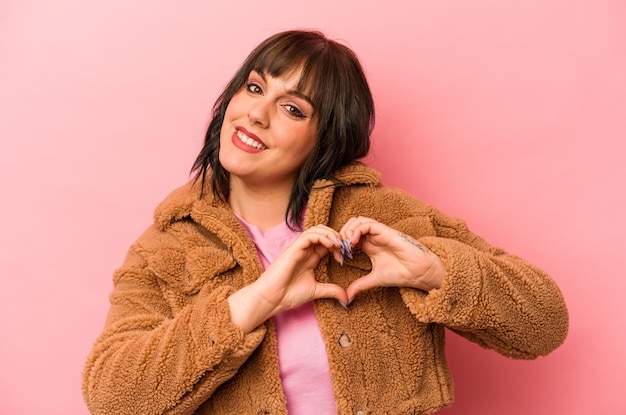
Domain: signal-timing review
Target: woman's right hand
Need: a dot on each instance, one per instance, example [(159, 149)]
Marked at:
[(289, 281)]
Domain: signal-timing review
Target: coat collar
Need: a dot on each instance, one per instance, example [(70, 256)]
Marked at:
[(185, 201)]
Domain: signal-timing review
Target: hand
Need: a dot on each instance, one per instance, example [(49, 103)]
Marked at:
[(397, 259), (289, 281)]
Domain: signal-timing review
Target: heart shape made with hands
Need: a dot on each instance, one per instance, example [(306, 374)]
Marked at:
[(346, 251), (397, 260)]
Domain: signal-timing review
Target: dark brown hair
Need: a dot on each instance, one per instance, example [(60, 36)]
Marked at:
[(333, 78)]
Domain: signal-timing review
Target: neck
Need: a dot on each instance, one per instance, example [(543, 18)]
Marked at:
[(263, 207)]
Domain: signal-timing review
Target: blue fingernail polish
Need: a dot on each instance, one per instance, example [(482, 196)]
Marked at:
[(350, 300), (343, 304)]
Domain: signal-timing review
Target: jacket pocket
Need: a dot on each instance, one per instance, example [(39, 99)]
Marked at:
[(187, 271)]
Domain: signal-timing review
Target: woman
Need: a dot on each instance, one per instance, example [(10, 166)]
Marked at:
[(286, 278)]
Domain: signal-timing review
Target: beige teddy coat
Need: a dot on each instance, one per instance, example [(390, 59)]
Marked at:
[(168, 346)]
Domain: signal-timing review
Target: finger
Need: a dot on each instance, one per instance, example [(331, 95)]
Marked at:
[(329, 242), (324, 236), (327, 290), (347, 231), (352, 223), (321, 229), (364, 283), (347, 226), (330, 239), (355, 228), (327, 231), (338, 256)]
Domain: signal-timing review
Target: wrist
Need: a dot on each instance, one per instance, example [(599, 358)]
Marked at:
[(435, 275), (249, 308)]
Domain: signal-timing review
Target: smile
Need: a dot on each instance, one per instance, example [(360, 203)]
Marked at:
[(249, 141)]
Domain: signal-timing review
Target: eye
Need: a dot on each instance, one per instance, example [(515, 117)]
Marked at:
[(294, 111), (254, 88)]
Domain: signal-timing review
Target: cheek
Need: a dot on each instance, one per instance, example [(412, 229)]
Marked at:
[(231, 114), (310, 145), (235, 107), (311, 139), (304, 149), (230, 110)]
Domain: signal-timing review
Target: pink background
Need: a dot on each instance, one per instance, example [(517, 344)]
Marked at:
[(511, 115)]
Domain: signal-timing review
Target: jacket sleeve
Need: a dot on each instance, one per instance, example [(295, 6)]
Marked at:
[(490, 297), (149, 361)]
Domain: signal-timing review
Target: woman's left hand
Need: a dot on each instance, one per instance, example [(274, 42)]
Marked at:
[(398, 260)]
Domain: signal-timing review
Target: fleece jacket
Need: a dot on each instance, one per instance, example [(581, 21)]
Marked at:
[(169, 346)]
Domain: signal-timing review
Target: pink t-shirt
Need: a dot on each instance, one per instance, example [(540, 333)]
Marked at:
[(301, 352)]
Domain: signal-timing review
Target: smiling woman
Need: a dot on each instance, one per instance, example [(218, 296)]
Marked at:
[(285, 278), (326, 79), (269, 130)]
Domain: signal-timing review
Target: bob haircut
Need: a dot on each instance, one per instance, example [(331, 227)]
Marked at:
[(331, 75)]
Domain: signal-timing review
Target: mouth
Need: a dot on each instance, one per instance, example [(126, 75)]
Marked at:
[(249, 141)]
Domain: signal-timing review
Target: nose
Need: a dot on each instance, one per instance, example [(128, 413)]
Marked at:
[(258, 114)]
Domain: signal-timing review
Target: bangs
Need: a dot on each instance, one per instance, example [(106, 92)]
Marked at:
[(309, 59)]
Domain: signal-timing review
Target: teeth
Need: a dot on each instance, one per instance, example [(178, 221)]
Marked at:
[(248, 141)]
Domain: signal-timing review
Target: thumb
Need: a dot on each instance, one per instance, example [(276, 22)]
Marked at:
[(364, 283), (327, 290)]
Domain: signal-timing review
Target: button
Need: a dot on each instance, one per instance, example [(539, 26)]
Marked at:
[(344, 340)]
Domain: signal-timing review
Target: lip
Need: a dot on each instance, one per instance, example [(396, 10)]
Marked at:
[(237, 142)]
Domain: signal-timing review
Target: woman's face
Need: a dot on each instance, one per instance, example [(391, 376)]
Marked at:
[(269, 130)]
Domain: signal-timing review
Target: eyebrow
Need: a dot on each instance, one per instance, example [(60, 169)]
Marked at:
[(290, 91)]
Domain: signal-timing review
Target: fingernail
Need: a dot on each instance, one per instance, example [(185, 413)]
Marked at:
[(341, 260), (343, 304), (348, 246), (350, 300)]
